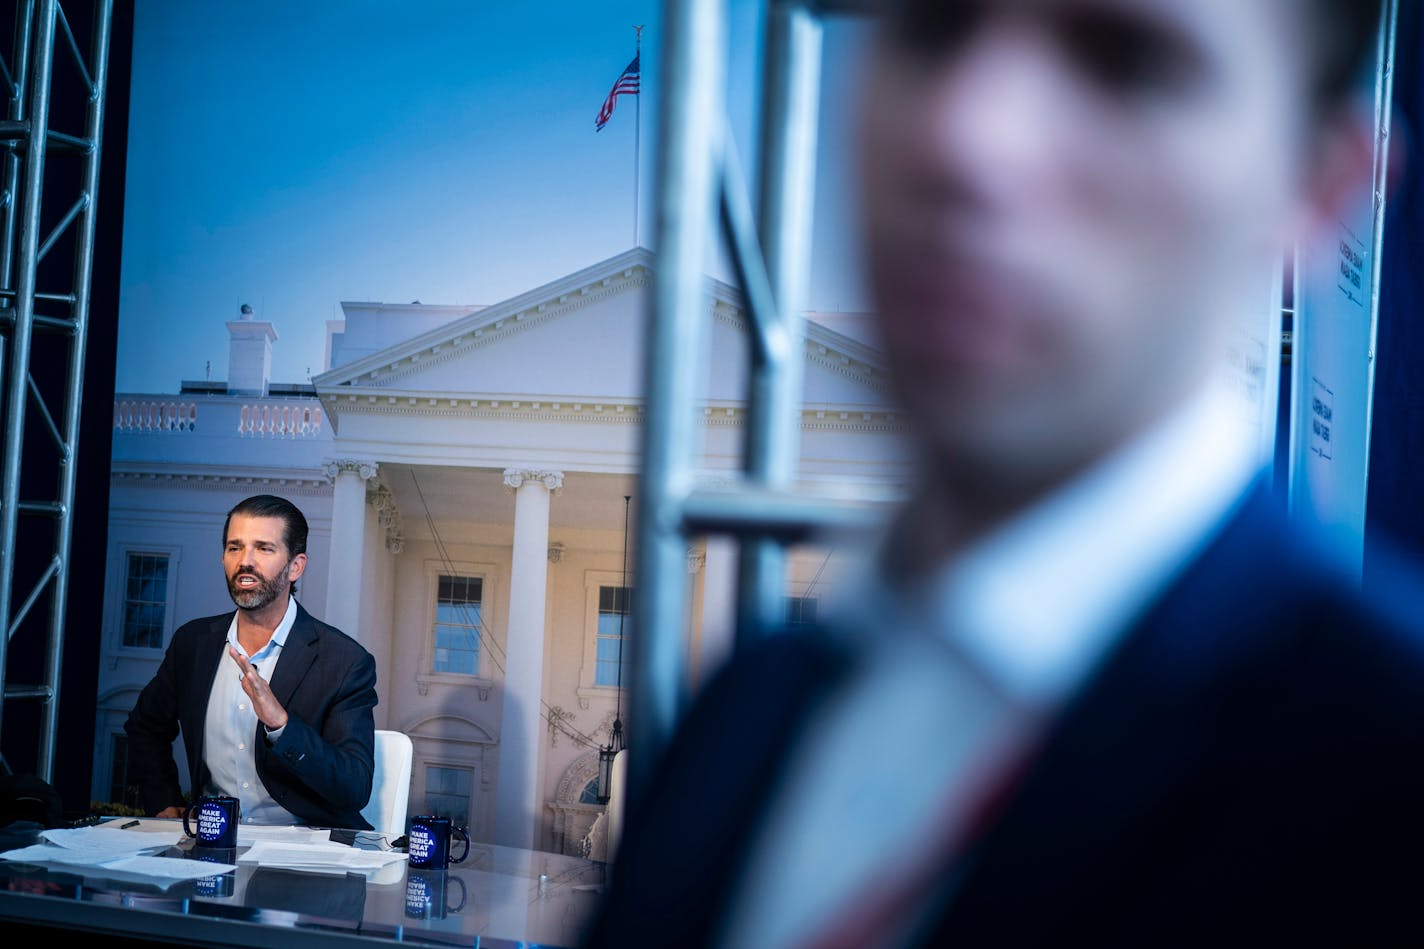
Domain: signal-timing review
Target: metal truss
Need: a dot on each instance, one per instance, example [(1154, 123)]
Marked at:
[(702, 193), (40, 217)]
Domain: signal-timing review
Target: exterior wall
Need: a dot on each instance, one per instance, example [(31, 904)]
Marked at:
[(418, 694), (579, 713)]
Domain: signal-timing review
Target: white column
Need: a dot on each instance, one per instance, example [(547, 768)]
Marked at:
[(719, 601), (516, 804), (348, 544)]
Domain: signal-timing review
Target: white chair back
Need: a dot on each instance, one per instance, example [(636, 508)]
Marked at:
[(390, 785)]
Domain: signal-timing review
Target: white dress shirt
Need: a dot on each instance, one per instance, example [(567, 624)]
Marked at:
[(231, 725), (962, 679)]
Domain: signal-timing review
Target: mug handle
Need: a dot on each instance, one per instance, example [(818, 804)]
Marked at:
[(464, 835), (463, 894), (186, 811)]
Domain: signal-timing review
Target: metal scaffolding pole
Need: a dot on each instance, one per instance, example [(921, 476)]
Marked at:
[(790, 97), (693, 32), (27, 135), (699, 184)]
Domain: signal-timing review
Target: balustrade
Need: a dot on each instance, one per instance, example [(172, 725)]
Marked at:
[(252, 419)]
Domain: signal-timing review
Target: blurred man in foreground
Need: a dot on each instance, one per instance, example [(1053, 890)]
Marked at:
[(1097, 690)]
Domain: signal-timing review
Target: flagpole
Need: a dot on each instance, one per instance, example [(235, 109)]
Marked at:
[(637, 127)]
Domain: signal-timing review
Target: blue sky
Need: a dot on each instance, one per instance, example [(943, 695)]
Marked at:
[(294, 155)]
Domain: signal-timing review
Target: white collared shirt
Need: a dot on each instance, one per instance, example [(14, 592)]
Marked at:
[(1069, 575), (231, 725), (968, 673)]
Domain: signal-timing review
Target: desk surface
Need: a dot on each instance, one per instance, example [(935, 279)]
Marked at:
[(497, 898)]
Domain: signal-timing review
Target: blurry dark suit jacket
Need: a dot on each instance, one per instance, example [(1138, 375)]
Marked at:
[(1246, 768)]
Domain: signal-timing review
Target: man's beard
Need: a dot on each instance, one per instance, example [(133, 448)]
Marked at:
[(254, 597)]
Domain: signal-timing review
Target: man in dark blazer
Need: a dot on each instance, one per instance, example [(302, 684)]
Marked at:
[(1094, 688), (274, 706)]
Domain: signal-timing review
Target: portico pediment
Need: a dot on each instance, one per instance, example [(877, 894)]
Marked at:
[(579, 341), (574, 335)]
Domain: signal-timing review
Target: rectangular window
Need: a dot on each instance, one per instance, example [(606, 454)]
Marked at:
[(145, 599), (801, 611), (613, 610), (119, 770), (457, 625), (447, 793)]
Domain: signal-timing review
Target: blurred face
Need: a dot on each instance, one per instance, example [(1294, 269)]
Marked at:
[(258, 566), (1067, 203)]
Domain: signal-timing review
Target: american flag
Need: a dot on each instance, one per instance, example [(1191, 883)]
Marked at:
[(626, 83)]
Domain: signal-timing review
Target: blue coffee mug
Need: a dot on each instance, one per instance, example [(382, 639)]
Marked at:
[(217, 817), (428, 842)]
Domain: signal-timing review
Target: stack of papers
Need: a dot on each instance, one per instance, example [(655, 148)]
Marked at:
[(251, 833), (327, 857), (129, 847), (112, 838), (110, 848)]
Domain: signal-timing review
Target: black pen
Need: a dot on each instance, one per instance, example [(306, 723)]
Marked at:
[(132, 823)]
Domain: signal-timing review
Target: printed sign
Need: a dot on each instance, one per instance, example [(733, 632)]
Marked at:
[(1332, 359)]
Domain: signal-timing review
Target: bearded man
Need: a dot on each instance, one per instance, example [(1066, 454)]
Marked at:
[(275, 707)]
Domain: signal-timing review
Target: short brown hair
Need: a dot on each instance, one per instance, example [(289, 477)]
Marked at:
[(294, 531), (294, 523)]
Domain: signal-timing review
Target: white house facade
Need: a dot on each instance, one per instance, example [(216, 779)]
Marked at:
[(469, 475)]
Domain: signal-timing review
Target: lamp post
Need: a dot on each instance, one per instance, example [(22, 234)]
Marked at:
[(608, 752)]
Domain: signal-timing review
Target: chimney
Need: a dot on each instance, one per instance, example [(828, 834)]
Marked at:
[(249, 363)]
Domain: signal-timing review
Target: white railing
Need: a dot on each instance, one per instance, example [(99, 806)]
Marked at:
[(276, 419), (144, 415), (279, 420)]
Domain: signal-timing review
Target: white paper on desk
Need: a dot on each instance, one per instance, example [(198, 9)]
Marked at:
[(171, 827), (98, 844), (252, 833), (162, 871), (328, 857), (46, 853)]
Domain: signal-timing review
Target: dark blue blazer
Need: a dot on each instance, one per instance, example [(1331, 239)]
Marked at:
[(1246, 768), (320, 768)]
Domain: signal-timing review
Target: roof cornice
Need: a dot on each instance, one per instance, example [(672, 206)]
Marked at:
[(584, 411), (307, 482)]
